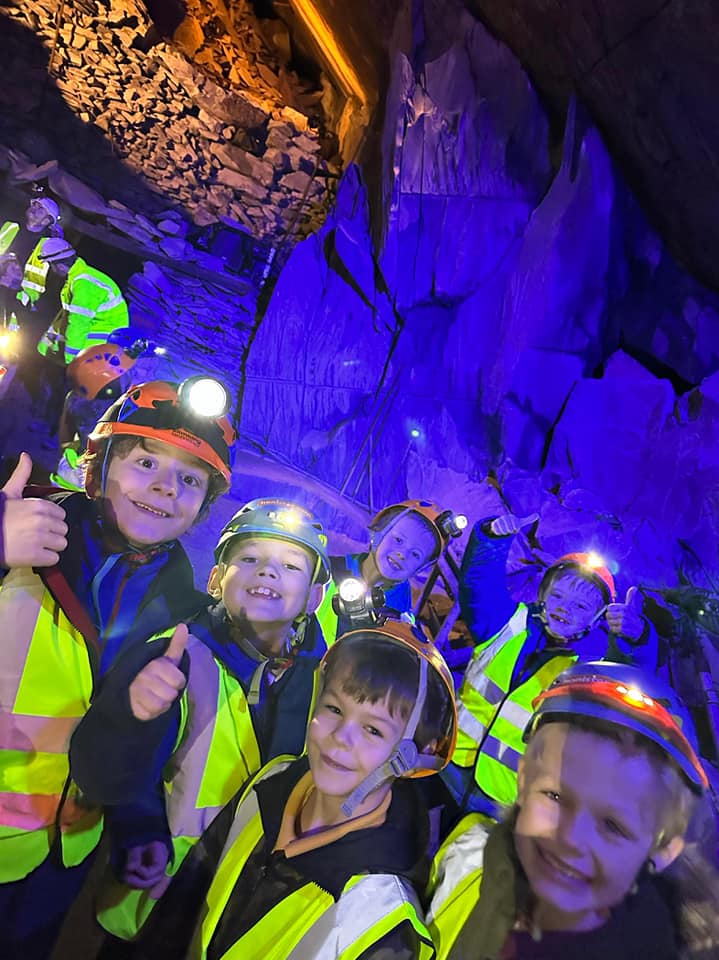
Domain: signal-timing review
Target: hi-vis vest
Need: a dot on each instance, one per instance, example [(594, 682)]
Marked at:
[(328, 619), (92, 307), (455, 880), (308, 923), (34, 270), (216, 753), (491, 719), (46, 683)]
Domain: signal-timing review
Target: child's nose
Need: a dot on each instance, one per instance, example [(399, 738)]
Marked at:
[(268, 569), (166, 483)]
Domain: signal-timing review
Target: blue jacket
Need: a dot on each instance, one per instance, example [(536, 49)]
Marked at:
[(135, 752)]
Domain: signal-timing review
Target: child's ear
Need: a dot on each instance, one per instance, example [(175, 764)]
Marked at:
[(666, 854), (214, 582), (521, 779), (317, 592)]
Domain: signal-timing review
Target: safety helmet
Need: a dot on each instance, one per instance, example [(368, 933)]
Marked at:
[(628, 697), (158, 410), (587, 565), (48, 206), (406, 760), (443, 523), (279, 520), (55, 249), (96, 368)]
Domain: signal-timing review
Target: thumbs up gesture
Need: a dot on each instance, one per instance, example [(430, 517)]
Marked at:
[(33, 532), (508, 525), (158, 684), (625, 619)]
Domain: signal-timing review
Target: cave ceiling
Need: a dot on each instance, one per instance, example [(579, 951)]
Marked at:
[(307, 78)]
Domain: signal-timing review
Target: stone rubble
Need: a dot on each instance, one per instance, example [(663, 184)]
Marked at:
[(214, 137)]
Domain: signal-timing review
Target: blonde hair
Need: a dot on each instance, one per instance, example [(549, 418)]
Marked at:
[(675, 801)]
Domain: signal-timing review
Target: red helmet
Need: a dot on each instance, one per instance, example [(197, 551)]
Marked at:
[(157, 410), (589, 566), (96, 368), (627, 697), (443, 523)]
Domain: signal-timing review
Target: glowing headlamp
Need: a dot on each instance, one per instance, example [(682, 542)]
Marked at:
[(358, 602), (451, 524), (204, 396), (595, 561)]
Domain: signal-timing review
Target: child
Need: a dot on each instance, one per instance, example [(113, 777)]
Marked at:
[(322, 853), (111, 572), (406, 538), (606, 789), (253, 657), (521, 648)]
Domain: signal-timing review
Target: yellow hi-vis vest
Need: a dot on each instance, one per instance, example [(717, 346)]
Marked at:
[(491, 720), (216, 753), (309, 923), (455, 880), (92, 307), (46, 684), (328, 619), (34, 270)]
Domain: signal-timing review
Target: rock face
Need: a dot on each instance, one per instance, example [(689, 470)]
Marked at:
[(646, 70), (498, 320)]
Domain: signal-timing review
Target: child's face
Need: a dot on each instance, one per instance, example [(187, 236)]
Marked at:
[(587, 823), (155, 493), (347, 740), (265, 581), (405, 548), (570, 605)]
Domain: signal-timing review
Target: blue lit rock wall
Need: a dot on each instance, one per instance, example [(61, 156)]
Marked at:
[(495, 317)]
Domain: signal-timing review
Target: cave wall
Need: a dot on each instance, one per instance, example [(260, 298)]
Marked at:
[(516, 338)]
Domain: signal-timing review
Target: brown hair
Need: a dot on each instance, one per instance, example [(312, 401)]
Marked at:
[(122, 447), (370, 668)]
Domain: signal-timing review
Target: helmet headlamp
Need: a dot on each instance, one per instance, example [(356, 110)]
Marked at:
[(204, 397), (358, 602)]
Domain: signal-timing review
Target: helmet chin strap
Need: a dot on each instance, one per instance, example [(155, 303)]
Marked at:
[(404, 758)]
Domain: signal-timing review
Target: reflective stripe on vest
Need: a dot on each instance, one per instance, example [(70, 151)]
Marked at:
[(45, 688), (455, 880), (308, 923), (8, 232), (479, 694), (217, 753)]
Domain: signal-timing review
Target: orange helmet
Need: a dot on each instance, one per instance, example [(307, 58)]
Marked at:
[(158, 410), (443, 523), (96, 368), (405, 760), (589, 566), (627, 697)]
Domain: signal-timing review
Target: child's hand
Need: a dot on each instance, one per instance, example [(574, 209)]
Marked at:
[(145, 868), (33, 532), (157, 685), (625, 619), (508, 525)]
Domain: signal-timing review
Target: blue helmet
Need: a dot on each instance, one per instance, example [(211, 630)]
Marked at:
[(279, 520)]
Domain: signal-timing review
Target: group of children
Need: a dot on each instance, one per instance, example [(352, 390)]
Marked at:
[(262, 784)]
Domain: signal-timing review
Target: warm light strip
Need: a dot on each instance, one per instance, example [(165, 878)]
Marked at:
[(315, 22)]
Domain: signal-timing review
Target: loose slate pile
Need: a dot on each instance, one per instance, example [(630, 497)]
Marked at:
[(212, 136)]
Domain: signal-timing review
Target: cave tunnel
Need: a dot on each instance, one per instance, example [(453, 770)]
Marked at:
[(439, 252)]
